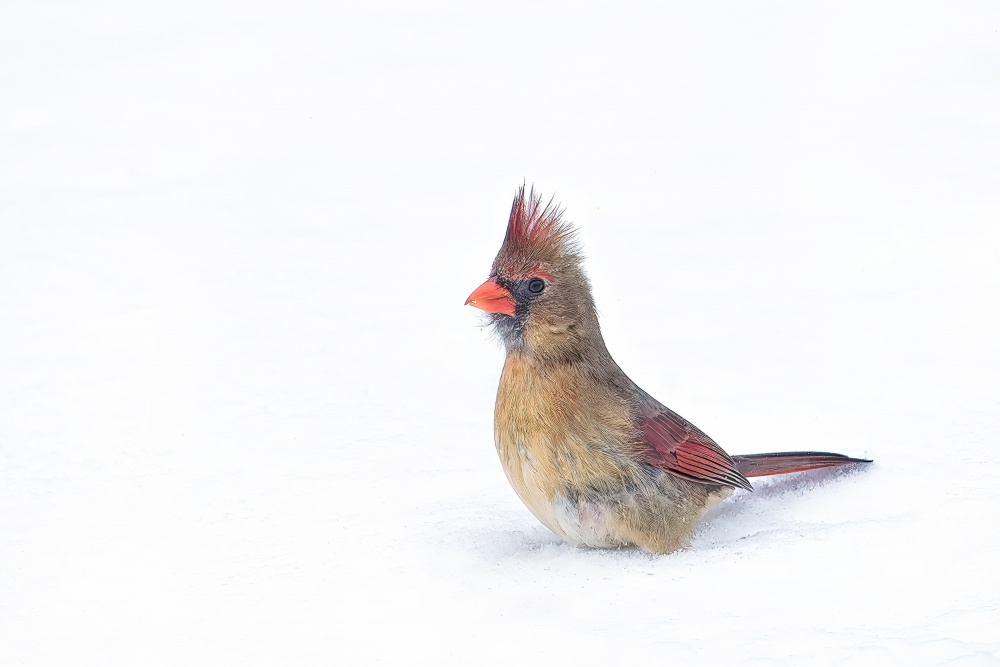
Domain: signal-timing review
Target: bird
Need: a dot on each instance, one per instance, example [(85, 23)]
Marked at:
[(596, 459)]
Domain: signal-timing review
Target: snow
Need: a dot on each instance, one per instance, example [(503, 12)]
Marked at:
[(247, 421)]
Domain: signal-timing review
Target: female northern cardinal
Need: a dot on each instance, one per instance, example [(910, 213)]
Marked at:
[(599, 461)]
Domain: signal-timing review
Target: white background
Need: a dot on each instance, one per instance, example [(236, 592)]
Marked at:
[(246, 420)]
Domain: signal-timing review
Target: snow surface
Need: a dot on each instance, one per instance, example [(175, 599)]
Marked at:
[(246, 419)]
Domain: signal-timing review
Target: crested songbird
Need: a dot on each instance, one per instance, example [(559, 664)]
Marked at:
[(595, 458)]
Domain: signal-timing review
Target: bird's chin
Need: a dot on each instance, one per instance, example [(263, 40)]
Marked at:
[(508, 329)]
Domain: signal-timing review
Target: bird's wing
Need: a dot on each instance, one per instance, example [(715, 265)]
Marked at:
[(676, 446)]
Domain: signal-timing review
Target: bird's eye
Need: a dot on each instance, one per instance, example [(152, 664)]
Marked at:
[(536, 285)]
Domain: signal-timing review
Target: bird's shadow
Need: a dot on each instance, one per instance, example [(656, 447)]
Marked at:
[(768, 492), (798, 482), (721, 524)]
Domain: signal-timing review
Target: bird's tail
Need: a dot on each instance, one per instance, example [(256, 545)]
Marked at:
[(758, 465)]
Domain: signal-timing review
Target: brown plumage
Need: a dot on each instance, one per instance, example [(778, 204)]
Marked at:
[(599, 461)]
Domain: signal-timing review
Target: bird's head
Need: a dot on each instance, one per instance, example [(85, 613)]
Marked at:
[(538, 295)]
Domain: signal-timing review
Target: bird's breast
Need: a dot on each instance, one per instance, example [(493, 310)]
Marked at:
[(564, 446)]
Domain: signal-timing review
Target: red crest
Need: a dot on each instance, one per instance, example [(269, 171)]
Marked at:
[(536, 235)]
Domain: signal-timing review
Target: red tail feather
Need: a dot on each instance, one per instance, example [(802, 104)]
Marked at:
[(758, 465)]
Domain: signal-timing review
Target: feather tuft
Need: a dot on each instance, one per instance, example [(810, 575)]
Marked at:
[(536, 236)]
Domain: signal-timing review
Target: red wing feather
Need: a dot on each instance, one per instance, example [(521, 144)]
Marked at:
[(677, 447)]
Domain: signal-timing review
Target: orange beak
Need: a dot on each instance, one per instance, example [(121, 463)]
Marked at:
[(492, 298)]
